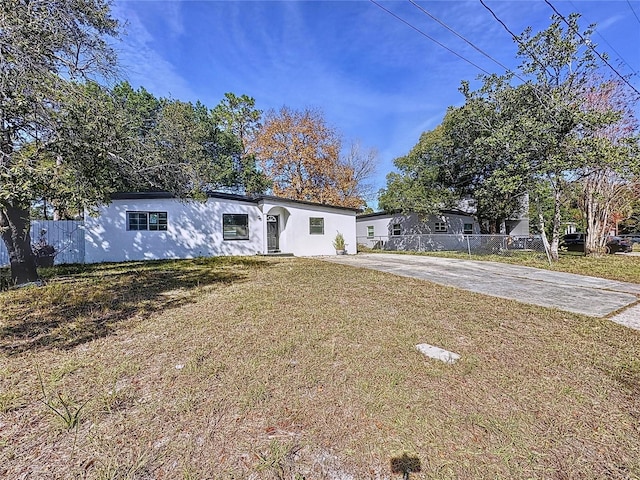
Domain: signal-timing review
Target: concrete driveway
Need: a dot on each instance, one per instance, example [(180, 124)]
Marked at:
[(591, 296)]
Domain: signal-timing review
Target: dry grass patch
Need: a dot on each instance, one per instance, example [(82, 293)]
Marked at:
[(297, 368)]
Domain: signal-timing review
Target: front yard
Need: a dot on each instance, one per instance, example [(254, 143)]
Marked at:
[(292, 368)]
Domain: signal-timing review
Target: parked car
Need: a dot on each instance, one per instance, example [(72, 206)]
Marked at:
[(618, 244), (633, 238), (574, 242)]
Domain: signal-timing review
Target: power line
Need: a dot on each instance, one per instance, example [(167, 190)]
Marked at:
[(428, 36), (634, 12), (591, 47), (539, 93), (463, 38), (610, 46), (515, 37)]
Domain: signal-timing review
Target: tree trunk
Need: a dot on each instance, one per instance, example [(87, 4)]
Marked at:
[(543, 231), (555, 227), (599, 193), (15, 226)]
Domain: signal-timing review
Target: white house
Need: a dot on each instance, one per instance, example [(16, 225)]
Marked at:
[(156, 225)]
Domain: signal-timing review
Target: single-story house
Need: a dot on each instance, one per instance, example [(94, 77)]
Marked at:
[(376, 230), (156, 225)]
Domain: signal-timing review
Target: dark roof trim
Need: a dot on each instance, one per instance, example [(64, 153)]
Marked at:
[(400, 212), (271, 198), (164, 195), (224, 196)]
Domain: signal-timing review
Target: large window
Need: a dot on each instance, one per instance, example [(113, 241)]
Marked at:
[(235, 226), (440, 227), (316, 226), (370, 231), (147, 221)]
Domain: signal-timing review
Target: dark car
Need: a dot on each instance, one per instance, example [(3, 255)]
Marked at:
[(618, 244), (574, 242), (633, 238)]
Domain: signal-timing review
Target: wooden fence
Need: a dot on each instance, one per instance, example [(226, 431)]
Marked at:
[(66, 236)]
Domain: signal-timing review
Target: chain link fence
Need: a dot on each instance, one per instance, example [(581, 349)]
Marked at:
[(442, 242)]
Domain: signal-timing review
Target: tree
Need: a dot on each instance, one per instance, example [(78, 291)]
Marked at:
[(361, 162), (631, 224), (611, 163), (530, 132), (45, 44), (300, 154), (419, 187), (70, 142), (566, 127), (238, 116), (462, 158)]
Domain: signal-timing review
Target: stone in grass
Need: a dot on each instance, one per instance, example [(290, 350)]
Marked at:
[(437, 353)]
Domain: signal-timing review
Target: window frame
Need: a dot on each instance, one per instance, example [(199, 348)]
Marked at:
[(316, 227), (143, 221), (371, 231), (396, 229), (226, 233), (467, 231), (440, 227)]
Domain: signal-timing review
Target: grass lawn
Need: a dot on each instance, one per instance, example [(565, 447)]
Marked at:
[(292, 368)]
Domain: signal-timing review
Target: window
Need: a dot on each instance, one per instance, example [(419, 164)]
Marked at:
[(235, 226), (467, 229), (147, 221), (396, 229), (370, 231), (440, 227), (316, 226)]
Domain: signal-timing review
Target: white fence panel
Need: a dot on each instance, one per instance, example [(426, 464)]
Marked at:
[(66, 236)]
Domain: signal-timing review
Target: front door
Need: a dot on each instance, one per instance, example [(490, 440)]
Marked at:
[(273, 233)]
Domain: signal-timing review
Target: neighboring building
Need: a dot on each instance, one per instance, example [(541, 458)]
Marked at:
[(376, 230), (517, 225), (156, 225)]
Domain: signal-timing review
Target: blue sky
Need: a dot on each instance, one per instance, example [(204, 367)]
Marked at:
[(376, 79)]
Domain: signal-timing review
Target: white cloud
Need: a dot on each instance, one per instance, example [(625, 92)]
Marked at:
[(141, 64)]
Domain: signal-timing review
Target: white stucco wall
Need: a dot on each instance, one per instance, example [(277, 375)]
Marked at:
[(381, 228), (294, 227), (194, 229)]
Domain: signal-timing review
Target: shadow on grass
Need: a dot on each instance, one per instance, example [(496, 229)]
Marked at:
[(405, 465), (84, 302)]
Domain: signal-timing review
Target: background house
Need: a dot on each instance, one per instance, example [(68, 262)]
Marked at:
[(143, 226), (398, 231)]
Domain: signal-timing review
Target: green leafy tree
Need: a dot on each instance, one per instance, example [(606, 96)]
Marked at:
[(45, 45), (418, 186), (67, 141), (239, 117), (631, 224), (534, 134)]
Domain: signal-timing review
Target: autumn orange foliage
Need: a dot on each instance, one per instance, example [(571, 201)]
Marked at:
[(300, 154)]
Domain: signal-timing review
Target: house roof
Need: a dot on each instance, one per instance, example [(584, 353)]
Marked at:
[(225, 196), (400, 212)]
